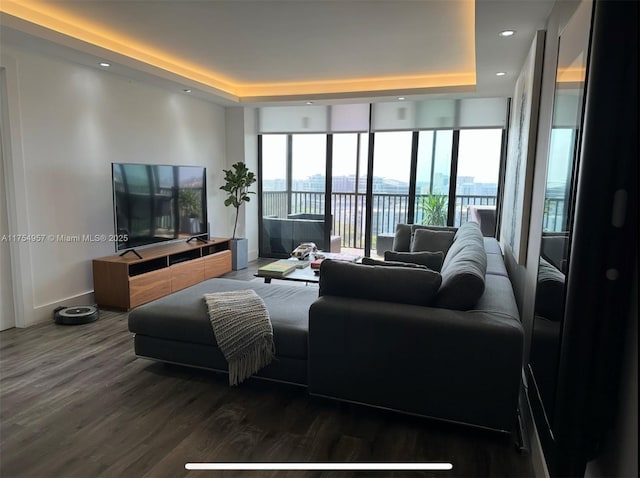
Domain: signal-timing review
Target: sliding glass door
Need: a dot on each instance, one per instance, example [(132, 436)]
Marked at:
[(479, 154), (433, 177), (293, 172), (275, 187), (348, 191), (390, 190), (308, 176)]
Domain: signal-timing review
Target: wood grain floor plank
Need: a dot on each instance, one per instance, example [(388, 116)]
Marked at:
[(75, 401)]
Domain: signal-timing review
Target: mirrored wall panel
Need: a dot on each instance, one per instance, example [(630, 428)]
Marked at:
[(559, 204)]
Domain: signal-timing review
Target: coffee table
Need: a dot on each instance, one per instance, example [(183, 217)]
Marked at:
[(307, 274)]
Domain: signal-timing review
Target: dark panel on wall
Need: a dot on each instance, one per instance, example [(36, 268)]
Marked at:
[(604, 245)]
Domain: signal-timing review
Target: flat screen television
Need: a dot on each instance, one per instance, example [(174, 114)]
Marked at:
[(157, 203)]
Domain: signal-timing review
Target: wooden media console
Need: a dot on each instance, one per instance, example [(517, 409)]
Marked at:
[(125, 282)]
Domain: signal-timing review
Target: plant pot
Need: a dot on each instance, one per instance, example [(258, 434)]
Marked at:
[(190, 225), (239, 253)]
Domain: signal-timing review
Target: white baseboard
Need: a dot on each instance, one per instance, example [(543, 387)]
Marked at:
[(44, 313)]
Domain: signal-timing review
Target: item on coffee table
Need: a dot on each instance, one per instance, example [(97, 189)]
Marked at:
[(303, 250), (277, 269), (342, 257)]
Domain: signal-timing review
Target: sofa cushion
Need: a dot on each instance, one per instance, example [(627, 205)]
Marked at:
[(183, 316), (550, 294), (469, 229), (463, 270), (495, 265), (368, 261), (402, 238), (491, 246), (431, 240), (415, 227), (432, 260), (498, 299), (402, 285), (404, 233)]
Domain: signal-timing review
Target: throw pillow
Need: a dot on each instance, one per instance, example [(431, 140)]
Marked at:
[(368, 261), (463, 272), (431, 240), (401, 285), (432, 260), (402, 238)]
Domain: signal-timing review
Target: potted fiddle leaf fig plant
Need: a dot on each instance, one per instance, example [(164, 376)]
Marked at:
[(237, 182)]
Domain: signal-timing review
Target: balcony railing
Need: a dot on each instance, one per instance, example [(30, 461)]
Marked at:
[(348, 211), (554, 216)]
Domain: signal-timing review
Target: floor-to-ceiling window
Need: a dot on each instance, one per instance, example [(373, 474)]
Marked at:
[(308, 175), (561, 149), (274, 175), (349, 188), (478, 170), (275, 186), (293, 169), (435, 163), (432, 177), (390, 185)]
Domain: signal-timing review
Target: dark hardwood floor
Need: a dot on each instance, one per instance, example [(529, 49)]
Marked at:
[(76, 402)]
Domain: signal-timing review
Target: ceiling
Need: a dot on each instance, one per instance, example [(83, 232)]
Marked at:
[(290, 51)]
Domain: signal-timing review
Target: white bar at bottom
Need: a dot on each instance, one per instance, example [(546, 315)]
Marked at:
[(319, 466)]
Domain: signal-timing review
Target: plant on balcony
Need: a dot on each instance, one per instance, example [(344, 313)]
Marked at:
[(434, 209), (237, 183), (189, 202), (190, 212)]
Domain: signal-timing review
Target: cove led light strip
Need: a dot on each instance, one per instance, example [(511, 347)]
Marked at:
[(321, 466)]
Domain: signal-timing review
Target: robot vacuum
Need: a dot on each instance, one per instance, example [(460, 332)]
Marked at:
[(80, 314)]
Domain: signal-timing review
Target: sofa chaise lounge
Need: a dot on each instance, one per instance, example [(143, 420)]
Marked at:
[(372, 339)]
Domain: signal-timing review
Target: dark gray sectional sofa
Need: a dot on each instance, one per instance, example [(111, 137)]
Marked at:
[(434, 360), (385, 336)]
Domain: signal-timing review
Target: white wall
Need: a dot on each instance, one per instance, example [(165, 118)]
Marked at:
[(235, 153), (7, 317), (251, 159), (71, 122), (242, 145)]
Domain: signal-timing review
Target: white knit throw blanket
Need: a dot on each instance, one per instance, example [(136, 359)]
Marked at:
[(241, 324)]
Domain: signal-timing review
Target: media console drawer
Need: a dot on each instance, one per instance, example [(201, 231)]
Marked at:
[(187, 273), (150, 286), (217, 264)]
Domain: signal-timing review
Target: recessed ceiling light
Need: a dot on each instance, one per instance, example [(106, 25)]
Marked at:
[(507, 33), (105, 64), (401, 98), (501, 73), (187, 90)]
